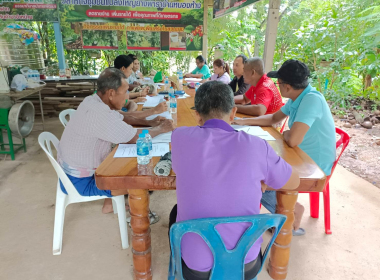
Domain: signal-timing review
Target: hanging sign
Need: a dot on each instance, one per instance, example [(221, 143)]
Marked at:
[(224, 7), (29, 10), (132, 25)]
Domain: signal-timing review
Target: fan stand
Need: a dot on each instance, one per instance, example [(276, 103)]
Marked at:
[(13, 148)]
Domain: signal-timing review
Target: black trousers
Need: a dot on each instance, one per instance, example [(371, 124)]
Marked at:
[(250, 269)]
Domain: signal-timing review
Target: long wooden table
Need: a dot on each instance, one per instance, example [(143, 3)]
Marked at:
[(121, 176)]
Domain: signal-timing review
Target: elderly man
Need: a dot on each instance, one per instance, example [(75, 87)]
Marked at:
[(219, 174), (311, 124), (238, 85), (95, 126), (263, 95)]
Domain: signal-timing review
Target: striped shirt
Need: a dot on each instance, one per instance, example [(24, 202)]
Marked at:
[(87, 138)]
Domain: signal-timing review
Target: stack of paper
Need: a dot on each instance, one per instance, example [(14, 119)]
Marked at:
[(165, 114), (256, 131), (130, 150), (153, 101)]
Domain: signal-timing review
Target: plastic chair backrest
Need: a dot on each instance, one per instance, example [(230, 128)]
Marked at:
[(64, 114), (45, 139), (343, 141), (228, 264)]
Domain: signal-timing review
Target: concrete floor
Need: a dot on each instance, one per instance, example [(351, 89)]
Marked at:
[(91, 240)]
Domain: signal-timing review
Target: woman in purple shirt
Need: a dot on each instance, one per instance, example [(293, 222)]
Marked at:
[(222, 72), (220, 173)]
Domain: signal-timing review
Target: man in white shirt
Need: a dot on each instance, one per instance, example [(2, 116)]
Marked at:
[(96, 125)]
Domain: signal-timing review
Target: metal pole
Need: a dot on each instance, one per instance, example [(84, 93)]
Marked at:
[(205, 18), (59, 44), (271, 33), (42, 112)]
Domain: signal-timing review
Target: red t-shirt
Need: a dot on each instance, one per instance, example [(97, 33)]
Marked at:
[(265, 93)]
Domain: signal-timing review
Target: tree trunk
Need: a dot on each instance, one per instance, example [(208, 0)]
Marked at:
[(368, 81), (46, 39), (42, 40)]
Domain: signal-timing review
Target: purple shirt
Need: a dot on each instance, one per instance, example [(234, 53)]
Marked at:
[(219, 173), (225, 78)]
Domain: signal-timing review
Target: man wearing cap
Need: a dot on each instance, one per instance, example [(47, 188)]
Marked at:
[(263, 95), (310, 121)]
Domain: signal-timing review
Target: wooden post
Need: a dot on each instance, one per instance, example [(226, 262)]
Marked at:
[(280, 252), (141, 243), (271, 33)]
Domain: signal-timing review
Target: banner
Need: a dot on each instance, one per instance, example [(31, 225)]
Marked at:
[(132, 36), (224, 7), (132, 24), (29, 10)]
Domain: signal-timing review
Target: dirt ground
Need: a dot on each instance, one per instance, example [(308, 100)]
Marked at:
[(362, 155)]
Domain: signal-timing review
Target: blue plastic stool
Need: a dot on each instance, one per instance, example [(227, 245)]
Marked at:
[(226, 262)]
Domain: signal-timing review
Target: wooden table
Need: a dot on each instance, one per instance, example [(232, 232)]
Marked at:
[(121, 176), (17, 95)]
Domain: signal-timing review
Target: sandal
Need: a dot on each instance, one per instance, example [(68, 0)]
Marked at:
[(299, 232)]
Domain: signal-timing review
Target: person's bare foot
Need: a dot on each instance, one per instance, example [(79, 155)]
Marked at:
[(107, 206), (298, 213)]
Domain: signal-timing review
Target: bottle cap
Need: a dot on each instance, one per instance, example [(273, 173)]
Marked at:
[(142, 135), (145, 131)]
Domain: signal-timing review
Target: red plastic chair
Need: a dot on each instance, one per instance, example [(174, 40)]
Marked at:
[(314, 196)]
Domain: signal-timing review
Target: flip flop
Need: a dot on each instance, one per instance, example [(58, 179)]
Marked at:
[(299, 232)]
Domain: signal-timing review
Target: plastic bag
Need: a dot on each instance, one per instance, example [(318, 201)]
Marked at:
[(19, 83)]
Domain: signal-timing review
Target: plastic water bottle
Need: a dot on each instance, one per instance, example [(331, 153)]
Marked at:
[(180, 79), (173, 101), (197, 85), (166, 83), (142, 150), (150, 142)]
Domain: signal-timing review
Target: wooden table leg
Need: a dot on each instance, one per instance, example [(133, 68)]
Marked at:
[(141, 243), (279, 255)]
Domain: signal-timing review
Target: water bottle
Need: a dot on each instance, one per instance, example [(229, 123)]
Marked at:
[(142, 150), (166, 83), (180, 78), (150, 142), (197, 85), (173, 101)]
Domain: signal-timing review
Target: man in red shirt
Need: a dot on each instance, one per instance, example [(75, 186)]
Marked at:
[(263, 94)]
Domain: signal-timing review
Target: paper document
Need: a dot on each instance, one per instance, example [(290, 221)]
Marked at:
[(192, 80), (153, 101), (130, 150), (255, 131), (183, 96), (165, 114), (163, 138)]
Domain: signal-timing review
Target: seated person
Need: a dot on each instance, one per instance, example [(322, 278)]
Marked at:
[(222, 72), (202, 71), (239, 87), (136, 74), (125, 64), (95, 126), (220, 173), (311, 125), (263, 94)]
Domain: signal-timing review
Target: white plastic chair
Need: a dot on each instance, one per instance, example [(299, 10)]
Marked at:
[(45, 139), (64, 114)]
